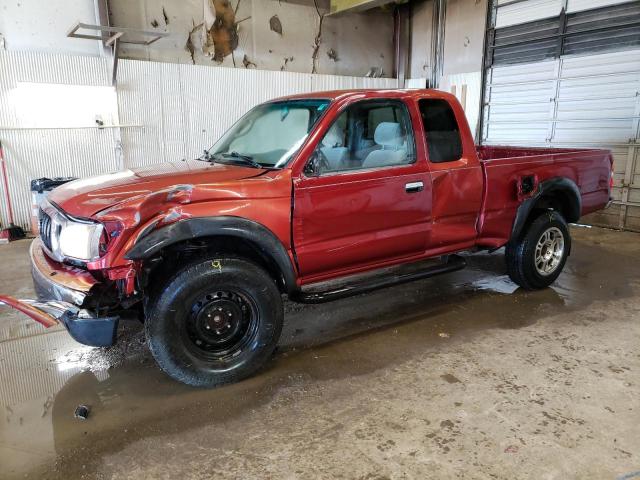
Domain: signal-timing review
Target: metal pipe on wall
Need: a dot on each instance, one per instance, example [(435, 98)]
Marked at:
[(401, 42), (437, 42)]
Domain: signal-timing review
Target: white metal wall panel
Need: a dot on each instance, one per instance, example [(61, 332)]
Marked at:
[(184, 109), (34, 153), (580, 5), (467, 88), (518, 104), (53, 153), (527, 11), (581, 101), (140, 103), (321, 83)]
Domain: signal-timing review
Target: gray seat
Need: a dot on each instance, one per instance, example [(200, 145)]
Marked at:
[(391, 151), (332, 148), (335, 156)]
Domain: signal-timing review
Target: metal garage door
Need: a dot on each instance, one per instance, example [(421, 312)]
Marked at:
[(567, 73)]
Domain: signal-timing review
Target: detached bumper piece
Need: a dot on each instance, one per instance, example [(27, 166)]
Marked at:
[(61, 292), (81, 324)]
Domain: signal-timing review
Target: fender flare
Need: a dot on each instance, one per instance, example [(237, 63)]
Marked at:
[(556, 184), (270, 246)]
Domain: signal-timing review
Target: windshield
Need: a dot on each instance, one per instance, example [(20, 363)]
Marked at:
[(268, 135)]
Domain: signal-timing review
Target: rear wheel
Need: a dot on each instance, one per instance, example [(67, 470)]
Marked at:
[(215, 322), (537, 258)]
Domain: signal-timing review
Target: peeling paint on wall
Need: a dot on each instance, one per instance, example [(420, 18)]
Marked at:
[(286, 62), (232, 30), (247, 63), (190, 45), (318, 39), (275, 25), (222, 37)]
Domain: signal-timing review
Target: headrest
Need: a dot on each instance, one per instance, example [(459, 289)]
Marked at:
[(333, 137), (388, 134)]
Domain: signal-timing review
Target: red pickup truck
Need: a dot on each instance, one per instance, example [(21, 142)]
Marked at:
[(300, 197)]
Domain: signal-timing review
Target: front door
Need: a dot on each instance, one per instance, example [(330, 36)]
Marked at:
[(367, 201)]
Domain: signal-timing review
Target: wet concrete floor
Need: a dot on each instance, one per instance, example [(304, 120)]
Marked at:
[(459, 376)]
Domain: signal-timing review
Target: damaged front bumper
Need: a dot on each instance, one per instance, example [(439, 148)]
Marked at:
[(62, 291)]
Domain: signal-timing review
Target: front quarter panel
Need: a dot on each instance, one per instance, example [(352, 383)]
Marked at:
[(264, 199)]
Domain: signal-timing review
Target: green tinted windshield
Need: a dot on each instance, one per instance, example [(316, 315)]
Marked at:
[(269, 134)]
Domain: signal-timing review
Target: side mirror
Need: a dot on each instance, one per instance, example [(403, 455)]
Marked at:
[(312, 168)]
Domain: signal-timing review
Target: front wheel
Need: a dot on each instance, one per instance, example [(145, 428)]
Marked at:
[(215, 322), (537, 258)]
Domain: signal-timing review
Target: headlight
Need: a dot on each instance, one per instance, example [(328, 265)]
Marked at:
[(80, 240)]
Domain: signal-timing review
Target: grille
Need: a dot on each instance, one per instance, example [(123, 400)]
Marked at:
[(45, 228)]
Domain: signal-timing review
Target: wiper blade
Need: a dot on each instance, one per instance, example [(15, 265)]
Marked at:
[(240, 158), (206, 157)]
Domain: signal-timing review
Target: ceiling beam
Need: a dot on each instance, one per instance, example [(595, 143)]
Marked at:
[(344, 6)]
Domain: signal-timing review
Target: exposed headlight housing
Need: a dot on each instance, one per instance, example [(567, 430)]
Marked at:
[(80, 241), (66, 238)]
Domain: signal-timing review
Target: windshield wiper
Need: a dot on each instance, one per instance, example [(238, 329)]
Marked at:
[(242, 159), (206, 157)]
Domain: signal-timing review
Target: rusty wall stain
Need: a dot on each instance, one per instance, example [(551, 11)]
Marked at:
[(222, 37)]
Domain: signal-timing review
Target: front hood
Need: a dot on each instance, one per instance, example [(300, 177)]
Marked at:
[(88, 196)]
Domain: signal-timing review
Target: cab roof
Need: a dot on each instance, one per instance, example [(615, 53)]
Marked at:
[(368, 93)]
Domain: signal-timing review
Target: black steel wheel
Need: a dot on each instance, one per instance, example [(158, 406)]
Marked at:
[(221, 323), (215, 322)]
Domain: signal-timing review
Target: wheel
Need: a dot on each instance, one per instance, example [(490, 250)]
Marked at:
[(215, 322), (536, 258)]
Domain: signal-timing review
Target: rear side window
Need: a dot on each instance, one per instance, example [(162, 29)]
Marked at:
[(441, 129)]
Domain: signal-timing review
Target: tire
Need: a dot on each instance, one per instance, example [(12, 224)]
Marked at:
[(215, 322), (534, 262)]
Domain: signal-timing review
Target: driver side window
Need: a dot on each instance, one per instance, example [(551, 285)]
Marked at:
[(367, 134)]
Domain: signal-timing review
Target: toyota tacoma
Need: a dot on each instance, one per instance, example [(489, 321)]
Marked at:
[(315, 197)]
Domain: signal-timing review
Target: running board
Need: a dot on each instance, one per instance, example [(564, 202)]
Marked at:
[(450, 263)]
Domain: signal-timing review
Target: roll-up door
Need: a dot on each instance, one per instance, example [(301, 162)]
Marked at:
[(567, 73)]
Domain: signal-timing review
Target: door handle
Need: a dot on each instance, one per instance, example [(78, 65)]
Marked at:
[(414, 187)]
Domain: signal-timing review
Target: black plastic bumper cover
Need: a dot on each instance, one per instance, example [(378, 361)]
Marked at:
[(92, 331)]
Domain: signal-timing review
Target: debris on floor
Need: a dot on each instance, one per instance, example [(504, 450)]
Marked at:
[(82, 412)]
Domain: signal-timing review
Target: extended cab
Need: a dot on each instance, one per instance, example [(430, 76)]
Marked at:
[(300, 193)]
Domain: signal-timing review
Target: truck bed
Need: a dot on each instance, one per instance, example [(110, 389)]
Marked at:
[(490, 152), (504, 166)]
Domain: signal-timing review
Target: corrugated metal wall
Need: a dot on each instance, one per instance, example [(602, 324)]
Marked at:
[(34, 153), (169, 112), (185, 108), (512, 12)]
